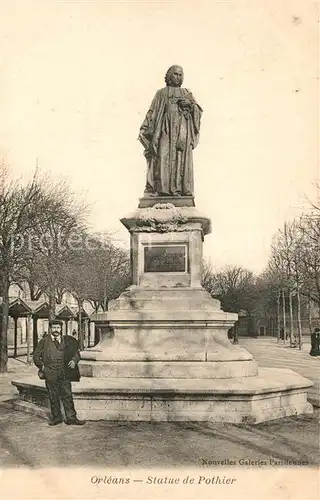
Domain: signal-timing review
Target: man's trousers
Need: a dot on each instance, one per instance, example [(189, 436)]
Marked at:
[(60, 389)]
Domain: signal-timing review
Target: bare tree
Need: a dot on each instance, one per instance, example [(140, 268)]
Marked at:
[(21, 211), (295, 259), (110, 272), (284, 263), (269, 296), (309, 256), (39, 221), (278, 316), (208, 277), (61, 231), (76, 279), (98, 272), (234, 286)]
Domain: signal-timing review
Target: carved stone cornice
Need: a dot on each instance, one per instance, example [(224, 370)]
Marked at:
[(166, 217)]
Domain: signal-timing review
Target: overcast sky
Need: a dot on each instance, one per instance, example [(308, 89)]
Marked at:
[(77, 78)]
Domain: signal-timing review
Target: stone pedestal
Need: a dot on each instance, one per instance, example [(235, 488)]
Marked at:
[(166, 325), (164, 353)]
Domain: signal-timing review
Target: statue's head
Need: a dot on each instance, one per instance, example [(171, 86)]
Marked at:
[(174, 76)]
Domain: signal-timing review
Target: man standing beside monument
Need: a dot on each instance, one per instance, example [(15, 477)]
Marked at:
[(57, 358), (168, 134)]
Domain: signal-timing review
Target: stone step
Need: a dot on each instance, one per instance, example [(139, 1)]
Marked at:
[(169, 369), (270, 395)]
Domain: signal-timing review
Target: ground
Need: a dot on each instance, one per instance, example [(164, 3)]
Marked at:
[(28, 441)]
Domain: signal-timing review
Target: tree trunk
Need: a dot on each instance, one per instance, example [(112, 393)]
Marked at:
[(104, 296), (89, 333), (86, 333), (35, 293), (292, 341), (278, 317), (52, 304), (59, 296), (80, 332), (309, 315), (15, 339), (28, 332), (35, 332), (32, 290), (299, 320), (284, 316), (4, 325)]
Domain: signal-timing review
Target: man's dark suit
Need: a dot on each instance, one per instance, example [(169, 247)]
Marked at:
[(52, 362)]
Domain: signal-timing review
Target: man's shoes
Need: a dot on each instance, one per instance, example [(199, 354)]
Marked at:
[(75, 421), (55, 422)]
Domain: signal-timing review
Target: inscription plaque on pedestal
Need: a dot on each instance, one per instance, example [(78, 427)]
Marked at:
[(165, 259)]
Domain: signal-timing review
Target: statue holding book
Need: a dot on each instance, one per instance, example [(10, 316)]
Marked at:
[(169, 134)]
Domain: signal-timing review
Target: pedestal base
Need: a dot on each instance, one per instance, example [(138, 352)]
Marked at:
[(272, 394)]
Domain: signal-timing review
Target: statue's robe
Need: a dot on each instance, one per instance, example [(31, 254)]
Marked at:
[(169, 134)]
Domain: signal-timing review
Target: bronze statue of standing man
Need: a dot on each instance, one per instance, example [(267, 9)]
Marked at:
[(169, 133)]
